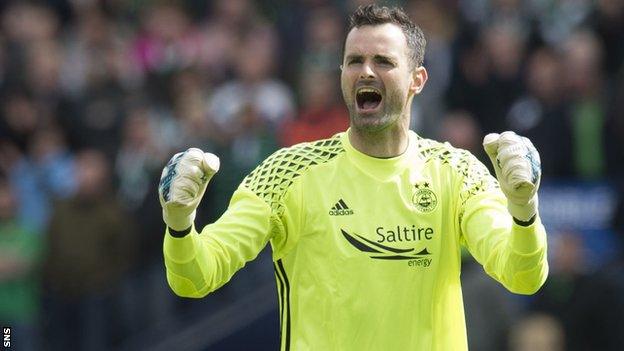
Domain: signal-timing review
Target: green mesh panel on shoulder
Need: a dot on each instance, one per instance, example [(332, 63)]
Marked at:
[(272, 178), (475, 176)]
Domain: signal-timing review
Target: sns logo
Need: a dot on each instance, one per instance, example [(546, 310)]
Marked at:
[(6, 337)]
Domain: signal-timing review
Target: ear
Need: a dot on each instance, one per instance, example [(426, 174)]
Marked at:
[(419, 78)]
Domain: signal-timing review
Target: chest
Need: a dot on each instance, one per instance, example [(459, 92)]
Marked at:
[(407, 220)]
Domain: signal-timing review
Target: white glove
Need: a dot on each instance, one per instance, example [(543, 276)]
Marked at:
[(182, 185), (518, 169)]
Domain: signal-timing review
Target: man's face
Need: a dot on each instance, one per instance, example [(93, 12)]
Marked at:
[(377, 80)]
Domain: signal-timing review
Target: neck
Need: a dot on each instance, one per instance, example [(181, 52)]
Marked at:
[(386, 143)]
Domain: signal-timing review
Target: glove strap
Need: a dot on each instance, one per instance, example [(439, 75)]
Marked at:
[(179, 234), (519, 222)]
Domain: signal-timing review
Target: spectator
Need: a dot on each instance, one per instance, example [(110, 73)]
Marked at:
[(584, 84), (542, 115), (556, 20), (490, 310), (20, 254), (20, 118), (470, 88), (168, 42), (608, 20), (228, 22), (588, 304), (254, 86), (191, 98), (484, 13), (322, 115), (461, 130), (90, 246), (41, 176), (537, 332), (247, 110), (323, 39), (24, 24), (138, 158), (614, 132), (505, 47), (440, 31), (148, 301), (96, 52)]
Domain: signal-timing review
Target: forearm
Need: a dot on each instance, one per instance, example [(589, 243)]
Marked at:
[(187, 265), (521, 265), (512, 254), (512, 250)]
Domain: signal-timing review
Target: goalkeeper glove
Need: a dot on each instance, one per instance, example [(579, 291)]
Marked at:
[(517, 166), (182, 185)]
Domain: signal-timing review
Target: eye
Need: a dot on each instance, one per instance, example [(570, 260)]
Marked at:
[(385, 62), (354, 60)]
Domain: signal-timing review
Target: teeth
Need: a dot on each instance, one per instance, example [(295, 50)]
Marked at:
[(368, 90)]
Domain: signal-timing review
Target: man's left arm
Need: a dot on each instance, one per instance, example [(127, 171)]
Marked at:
[(501, 226)]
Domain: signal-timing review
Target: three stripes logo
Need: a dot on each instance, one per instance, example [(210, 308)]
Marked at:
[(340, 209)]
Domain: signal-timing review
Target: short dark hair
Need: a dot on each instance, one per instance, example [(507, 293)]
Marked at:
[(371, 15)]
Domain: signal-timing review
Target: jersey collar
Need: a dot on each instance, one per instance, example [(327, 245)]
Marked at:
[(380, 168)]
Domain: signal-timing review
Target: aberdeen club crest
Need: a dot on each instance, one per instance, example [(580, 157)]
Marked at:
[(424, 198)]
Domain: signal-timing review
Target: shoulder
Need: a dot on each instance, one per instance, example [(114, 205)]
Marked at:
[(472, 175), (289, 163), (274, 176), (461, 163), (444, 153)]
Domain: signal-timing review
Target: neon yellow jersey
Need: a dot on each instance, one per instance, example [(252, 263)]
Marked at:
[(366, 250)]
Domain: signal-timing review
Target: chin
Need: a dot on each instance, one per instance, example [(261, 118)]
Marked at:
[(371, 123)]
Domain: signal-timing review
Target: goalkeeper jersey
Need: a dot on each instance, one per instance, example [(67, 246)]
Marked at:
[(366, 250)]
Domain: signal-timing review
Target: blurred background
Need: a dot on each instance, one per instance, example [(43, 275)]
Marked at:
[(96, 96)]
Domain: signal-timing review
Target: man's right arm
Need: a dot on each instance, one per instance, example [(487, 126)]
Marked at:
[(263, 208)]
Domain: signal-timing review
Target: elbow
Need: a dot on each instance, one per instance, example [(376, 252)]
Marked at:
[(529, 283), (187, 293), (184, 287), (525, 289), (193, 295)]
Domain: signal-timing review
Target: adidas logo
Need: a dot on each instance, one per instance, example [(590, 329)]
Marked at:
[(340, 209)]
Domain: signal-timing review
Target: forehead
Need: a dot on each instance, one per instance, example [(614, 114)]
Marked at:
[(385, 38)]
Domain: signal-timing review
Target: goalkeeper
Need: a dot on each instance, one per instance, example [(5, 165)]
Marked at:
[(366, 227)]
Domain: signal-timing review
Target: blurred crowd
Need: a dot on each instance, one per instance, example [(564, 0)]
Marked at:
[(96, 96)]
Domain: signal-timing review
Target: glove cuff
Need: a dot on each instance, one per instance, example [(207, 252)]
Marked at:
[(523, 213), (178, 223)]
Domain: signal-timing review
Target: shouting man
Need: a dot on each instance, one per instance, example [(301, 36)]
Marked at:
[(366, 227)]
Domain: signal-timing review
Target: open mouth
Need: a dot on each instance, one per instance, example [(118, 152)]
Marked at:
[(368, 99)]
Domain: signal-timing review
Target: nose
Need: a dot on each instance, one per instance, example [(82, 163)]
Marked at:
[(367, 71)]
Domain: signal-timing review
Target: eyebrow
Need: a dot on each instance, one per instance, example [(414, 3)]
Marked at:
[(384, 57), (353, 56), (376, 57)]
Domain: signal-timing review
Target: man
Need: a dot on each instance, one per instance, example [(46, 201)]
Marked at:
[(366, 227)]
